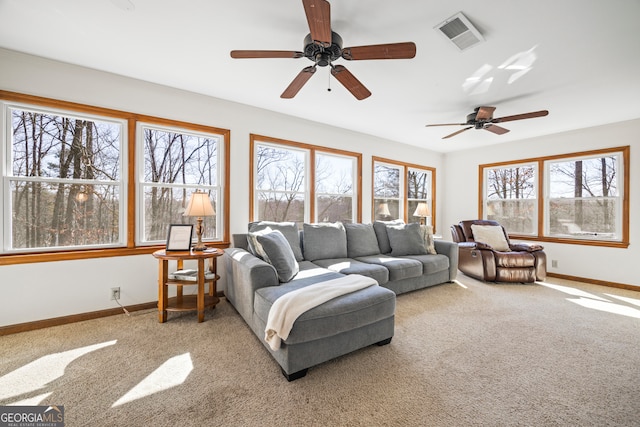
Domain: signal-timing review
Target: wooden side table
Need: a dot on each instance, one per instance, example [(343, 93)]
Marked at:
[(187, 302)]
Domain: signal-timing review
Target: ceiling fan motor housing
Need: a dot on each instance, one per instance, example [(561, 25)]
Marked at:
[(323, 56)]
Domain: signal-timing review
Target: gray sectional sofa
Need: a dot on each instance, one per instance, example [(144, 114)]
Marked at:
[(273, 259)]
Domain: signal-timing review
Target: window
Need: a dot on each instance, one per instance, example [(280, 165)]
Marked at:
[(281, 185), (175, 163), (63, 180), (586, 197), (282, 175), (82, 182), (583, 197), (388, 184), (418, 191), (511, 197), (335, 189), (399, 187)]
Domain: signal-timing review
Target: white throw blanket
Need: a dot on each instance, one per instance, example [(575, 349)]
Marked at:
[(286, 309)]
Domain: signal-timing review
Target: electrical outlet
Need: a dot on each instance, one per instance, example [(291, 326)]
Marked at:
[(115, 293), (554, 263)]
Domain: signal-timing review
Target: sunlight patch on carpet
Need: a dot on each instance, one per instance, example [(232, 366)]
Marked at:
[(37, 374), (171, 373), (572, 291), (609, 307), (457, 282), (31, 401), (626, 299)]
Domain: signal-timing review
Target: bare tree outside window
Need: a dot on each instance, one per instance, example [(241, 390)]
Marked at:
[(418, 188), (511, 197), (280, 183), (177, 163), (334, 188), (65, 181), (387, 191), (584, 197)]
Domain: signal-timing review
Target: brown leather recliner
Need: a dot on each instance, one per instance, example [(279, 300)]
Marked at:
[(524, 263)]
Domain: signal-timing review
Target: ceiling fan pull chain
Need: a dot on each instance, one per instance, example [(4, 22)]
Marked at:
[(329, 82)]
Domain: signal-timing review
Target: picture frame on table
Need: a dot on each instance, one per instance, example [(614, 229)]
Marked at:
[(179, 237)]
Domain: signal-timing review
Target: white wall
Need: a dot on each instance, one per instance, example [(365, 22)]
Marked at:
[(52, 289), (460, 177)]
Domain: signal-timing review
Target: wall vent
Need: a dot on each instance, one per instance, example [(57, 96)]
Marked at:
[(460, 31)]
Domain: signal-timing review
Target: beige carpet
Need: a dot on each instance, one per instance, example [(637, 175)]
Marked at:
[(463, 354)]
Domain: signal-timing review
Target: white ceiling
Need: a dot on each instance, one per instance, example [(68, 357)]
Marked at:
[(584, 58)]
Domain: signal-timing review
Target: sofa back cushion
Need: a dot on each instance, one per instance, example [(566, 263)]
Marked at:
[(406, 239), (361, 240), (380, 228), (288, 229), (324, 241)]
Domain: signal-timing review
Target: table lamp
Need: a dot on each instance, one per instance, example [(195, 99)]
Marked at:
[(383, 210), (422, 211), (199, 206)]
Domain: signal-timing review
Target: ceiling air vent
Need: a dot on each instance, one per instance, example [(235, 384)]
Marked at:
[(460, 31)]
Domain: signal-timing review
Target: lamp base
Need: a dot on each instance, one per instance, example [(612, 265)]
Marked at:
[(199, 248), (199, 230)]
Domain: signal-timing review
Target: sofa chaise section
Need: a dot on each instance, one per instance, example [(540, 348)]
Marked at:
[(324, 252)]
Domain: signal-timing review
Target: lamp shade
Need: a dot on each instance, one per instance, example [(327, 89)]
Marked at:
[(383, 209), (422, 210), (199, 205)]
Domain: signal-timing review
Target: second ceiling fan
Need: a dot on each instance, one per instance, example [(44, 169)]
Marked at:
[(482, 118), (323, 46)]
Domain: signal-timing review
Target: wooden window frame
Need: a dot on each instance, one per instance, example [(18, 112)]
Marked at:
[(405, 190), (542, 196), (130, 247), (255, 139)]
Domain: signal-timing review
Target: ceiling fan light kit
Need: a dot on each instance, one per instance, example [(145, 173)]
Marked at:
[(323, 46)]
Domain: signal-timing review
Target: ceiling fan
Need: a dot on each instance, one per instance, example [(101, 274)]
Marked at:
[(323, 46), (482, 118)]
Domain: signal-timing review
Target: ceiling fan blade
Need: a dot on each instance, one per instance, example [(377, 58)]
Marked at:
[(405, 50), (319, 18), (297, 83), (457, 132), (447, 124), (531, 115), (496, 129), (485, 113), (242, 54), (350, 82)]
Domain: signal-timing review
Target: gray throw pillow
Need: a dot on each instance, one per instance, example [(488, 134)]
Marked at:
[(288, 229), (380, 228), (279, 254), (406, 239), (361, 240), (324, 241)]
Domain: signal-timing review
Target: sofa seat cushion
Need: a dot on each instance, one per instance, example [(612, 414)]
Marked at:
[(341, 314), (514, 259), (431, 263), (351, 266), (399, 268)]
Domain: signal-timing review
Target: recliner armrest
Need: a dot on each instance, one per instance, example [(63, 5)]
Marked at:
[(467, 245), (526, 247), (484, 246)]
